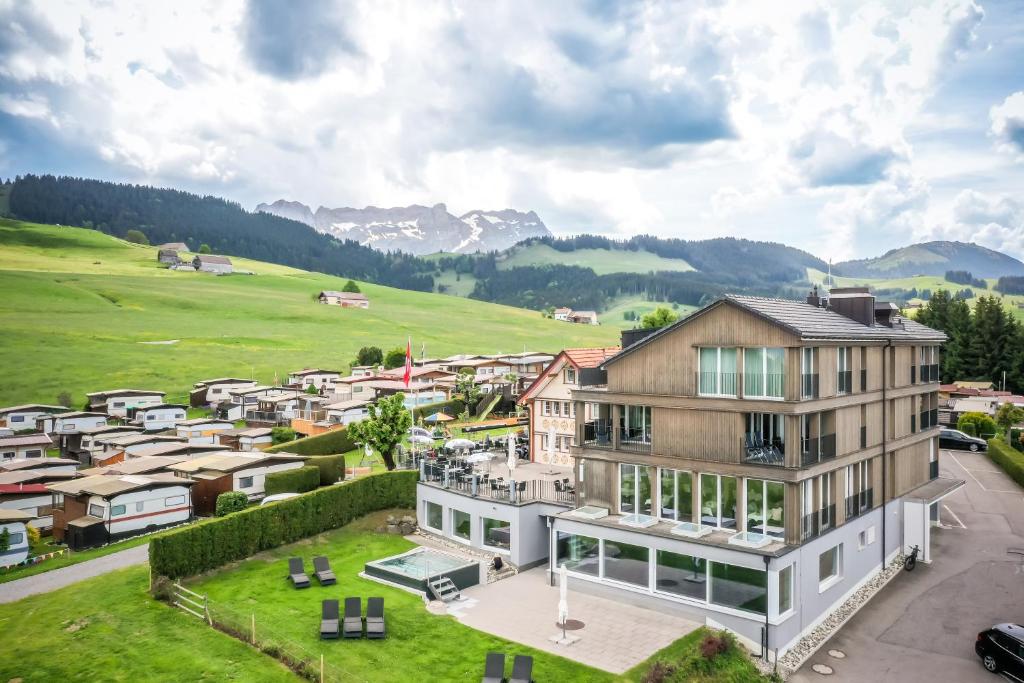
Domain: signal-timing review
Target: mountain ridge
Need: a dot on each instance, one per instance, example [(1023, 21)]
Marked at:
[(933, 258)]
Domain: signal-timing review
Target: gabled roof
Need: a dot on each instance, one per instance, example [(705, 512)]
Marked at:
[(808, 322), (210, 258), (107, 486), (313, 371), (110, 393), (579, 358), (26, 440), (32, 407), (35, 464)]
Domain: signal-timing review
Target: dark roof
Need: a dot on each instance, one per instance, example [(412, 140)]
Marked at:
[(354, 296), (808, 322), (210, 258)]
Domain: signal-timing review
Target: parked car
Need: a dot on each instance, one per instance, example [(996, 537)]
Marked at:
[(952, 438), (1001, 648)]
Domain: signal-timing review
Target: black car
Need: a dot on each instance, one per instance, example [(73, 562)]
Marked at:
[(952, 438), (1001, 648)]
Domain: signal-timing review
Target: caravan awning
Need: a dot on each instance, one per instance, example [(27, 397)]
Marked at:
[(934, 490)]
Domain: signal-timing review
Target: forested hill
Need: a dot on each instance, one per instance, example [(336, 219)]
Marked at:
[(933, 258), (165, 215)]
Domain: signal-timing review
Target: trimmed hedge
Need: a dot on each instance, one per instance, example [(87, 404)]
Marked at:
[(1008, 458), (332, 467), (298, 480), (209, 544), (328, 443), (231, 501)]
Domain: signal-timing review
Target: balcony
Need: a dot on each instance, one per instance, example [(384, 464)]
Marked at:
[(844, 382), (758, 451), (817, 523), (476, 485), (597, 433), (859, 503), (809, 385), (716, 383), (761, 385), (814, 449), (933, 470), (635, 439)]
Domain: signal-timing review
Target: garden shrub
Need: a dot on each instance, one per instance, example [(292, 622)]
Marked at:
[(332, 467), (713, 645), (977, 424), (1008, 458), (231, 501), (298, 480), (207, 545), (328, 443), (162, 589), (282, 435)]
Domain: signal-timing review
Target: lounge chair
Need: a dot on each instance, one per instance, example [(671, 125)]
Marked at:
[(352, 626), (297, 573), (522, 669), (494, 669), (322, 571), (375, 618), (329, 620)]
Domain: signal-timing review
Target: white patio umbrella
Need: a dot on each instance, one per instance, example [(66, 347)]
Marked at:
[(551, 445), (563, 597), (459, 443), (512, 459), (422, 439)]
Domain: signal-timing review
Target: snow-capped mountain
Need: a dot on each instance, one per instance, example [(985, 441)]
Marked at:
[(417, 229)]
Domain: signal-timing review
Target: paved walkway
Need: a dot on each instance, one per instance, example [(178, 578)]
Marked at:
[(921, 627), (617, 636), (59, 578)]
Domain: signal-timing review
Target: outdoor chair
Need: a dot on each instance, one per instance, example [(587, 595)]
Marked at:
[(329, 620), (522, 669), (352, 626), (375, 618), (322, 571), (297, 573), (494, 669)]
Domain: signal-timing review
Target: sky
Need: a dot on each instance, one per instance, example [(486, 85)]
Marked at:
[(845, 129)]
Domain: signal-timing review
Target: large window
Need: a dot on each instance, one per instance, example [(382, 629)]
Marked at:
[(497, 533), (635, 489), (676, 495), (844, 378), (763, 372), (681, 575), (739, 587), (830, 565), (717, 376), (785, 589), (765, 507), (460, 525), (625, 562), (578, 553), (808, 372), (636, 424), (434, 516), (718, 501)]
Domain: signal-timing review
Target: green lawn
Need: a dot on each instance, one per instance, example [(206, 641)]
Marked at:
[(639, 305), (420, 645), (455, 285), (109, 629), (79, 304), (601, 261)]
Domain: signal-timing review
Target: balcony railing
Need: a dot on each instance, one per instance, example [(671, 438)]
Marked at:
[(844, 382), (817, 523), (758, 451), (635, 439), (597, 433), (716, 383), (502, 491), (933, 469), (859, 503), (761, 385), (863, 379), (817, 448), (809, 385)]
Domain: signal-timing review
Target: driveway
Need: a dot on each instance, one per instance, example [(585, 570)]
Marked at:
[(58, 578), (922, 626)]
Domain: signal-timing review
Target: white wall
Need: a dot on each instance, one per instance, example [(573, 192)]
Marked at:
[(160, 418), (259, 477), (8, 453), (131, 402), (31, 504), (150, 503), (72, 425), (18, 552)]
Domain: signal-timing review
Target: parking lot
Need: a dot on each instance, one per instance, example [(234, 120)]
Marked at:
[(923, 625)]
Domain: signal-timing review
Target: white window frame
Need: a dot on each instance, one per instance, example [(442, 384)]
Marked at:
[(764, 501), (825, 583), (844, 361), (675, 491), (636, 489), (764, 373), (718, 371)]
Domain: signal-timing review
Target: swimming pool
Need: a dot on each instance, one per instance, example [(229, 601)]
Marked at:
[(412, 569)]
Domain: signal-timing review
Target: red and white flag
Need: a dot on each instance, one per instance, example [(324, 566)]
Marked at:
[(408, 363)]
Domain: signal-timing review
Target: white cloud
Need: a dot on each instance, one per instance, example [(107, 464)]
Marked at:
[(1008, 124), (992, 220)]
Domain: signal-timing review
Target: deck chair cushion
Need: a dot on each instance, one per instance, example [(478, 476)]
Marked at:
[(522, 669), (297, 573), (494, 669)]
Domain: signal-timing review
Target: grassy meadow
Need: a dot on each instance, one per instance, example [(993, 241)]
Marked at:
[(601, 261), (83, 311), (640, 306)]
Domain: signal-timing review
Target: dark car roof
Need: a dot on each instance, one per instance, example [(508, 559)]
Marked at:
[(1015, 630)]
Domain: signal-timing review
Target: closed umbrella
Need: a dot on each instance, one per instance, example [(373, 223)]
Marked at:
[(563, 597), (457, 444), (551, 445), (512, 459)]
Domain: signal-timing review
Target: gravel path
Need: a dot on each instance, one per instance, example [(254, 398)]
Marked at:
[(58, 578)]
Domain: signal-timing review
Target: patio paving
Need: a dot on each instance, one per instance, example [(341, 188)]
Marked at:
[(524, 608)]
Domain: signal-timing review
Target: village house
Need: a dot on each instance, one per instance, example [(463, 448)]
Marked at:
[(364, 371), (583, 317), (168, 256), (148, 464), (115, 447), (23, 486), (562, 313), (208, 263), (241, 400), (323, 380), (92, 511), (346, 412), (13, 522), (202, 430), (174, 246), (116, 402), (71, 423), (215, 474), (22, 446), (82, 445), (344, 299), (158, 417), (549, 403), (23, 418), (246, 439), (181, 449), (210, 392), (32, 499)]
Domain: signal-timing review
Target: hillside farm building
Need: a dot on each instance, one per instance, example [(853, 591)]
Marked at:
[(344, 299), (208, 263)]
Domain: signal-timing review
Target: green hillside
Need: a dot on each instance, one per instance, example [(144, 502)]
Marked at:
[(601, 261), (78, 306), (638, 305)]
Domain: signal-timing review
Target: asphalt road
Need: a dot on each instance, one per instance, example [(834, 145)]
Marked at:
[(58, 578), (922, 626)]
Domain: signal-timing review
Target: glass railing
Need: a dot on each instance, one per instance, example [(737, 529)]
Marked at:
[(716, 383), (758, 451), (816, 523), (761, 385), (817, 448)]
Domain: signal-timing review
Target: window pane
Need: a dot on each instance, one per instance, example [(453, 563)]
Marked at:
[(497, 534), (729, 502), (684, 506), (774, 379), (708, 371), (709, 499), (625, 562), (15, 539), (755, 505), (739, 587), (727, 380), (753, 372), (627, 488), (668, 494), (644, 496), (578, 553), (828, 564), (786, 589), (460, 524), (435, 519), (775, 508), (681, 575)]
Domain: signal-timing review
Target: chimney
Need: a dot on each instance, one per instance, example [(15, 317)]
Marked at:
[(630, 337), (855, 303), (886, 313), (812, 297)]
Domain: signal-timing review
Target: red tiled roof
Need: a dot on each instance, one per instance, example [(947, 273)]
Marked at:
[(23, 488), (590, 358)]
